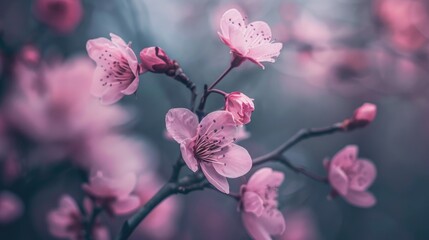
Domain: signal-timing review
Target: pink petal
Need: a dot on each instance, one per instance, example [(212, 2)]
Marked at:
[(237, 40), (112, 95), (118, 40), (364, 173), (254, 227), (265, 177), (273, 221), (265, 53), (181, 124), (231, 17), (125, 206), (215, 178), (257, 33), (219, 126), (102, 186), (361, 199), (186, 148), (346, 157), (338, 180), (252, 203), (236, 159), (94, 46), (132, 88)]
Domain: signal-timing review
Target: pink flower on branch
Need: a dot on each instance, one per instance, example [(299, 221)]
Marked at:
[(240, 106), (154, 59), (259, 204), (247, 41), (362, 116), (117, 72), (351, 177), (113, 193), (209, 145)]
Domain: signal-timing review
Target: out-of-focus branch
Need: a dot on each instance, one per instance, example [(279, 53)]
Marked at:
[(283, 160), (301, 135)]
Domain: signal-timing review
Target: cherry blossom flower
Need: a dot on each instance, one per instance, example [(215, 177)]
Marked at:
[(61, 15), (67, 222), (365, 113), (113, 193), (117, 72), (259, 204), (154, 59), (209, 145), (247, 41), (350, 177), (241, 107), (11, 207)]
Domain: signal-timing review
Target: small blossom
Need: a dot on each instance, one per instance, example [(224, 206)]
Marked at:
[(61, 15), (117, 72), (362, 116), (67, 222), (247, 41), (113, 193), (351, 177), (259, 204), (241, 107), (154, 59), (209, 145), (11, 207)]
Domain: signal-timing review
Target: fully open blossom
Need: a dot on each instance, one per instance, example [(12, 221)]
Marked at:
[(67, 222), (11, 207), (154, 59), (117, 72), (259, 204), (247, 41), (241, 107), (113, 193), (351, 177), (209, 145), (61, 15)]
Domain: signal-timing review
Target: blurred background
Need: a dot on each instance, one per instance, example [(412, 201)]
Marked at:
[(337, 55)]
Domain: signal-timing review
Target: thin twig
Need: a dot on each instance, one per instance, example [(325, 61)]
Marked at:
[(302, 171)]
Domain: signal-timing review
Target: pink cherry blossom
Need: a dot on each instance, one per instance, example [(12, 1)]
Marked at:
[(351, 177), (67, 222), (11, 207), (365, 113), (117, 72), (247, 41), (259, 204), (241, 107), (209, 145), (113, 193), (154, 59), (61, 15)]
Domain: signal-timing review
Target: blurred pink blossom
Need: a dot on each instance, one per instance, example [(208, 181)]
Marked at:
[(259, 204), (161, 223), (117, 72), (240, 106), (61, 15), (67, 222), (113, 193), (351, 177), (247, 41), (30, 54), (300, 226), (11, 207), (209, 145)]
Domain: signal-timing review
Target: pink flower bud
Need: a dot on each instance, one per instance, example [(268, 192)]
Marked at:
[(366, 113), (154, 59), (241, 107)]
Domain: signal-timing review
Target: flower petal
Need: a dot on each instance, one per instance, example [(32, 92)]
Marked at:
[(346, 157), (218, 126), (273, 221), (186, 148), (363, 175), (132, 88), (253, 226), (126, 205), (181, 124), (236, 159), (265, 177), (102, 186), (338, 180), (252, 203), (231, 17), (361, 199), (215, 178)]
